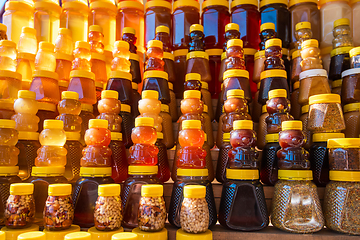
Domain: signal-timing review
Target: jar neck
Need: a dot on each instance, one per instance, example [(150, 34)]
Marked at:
[(192, 178)]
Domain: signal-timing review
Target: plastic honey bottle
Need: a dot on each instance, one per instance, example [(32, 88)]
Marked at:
[(96, 38), (109, 108), (192, 107), (163, 35), (273, 54), (235, 55), (8, 55), (82, 56), (129, 37), (9, 137), (121, 56), (154, 56), (119, 160), (63, 54), (192, 82), (150, 106), (302, 32), (310, 54), (28, 42), (45, 58), (69, 109), (267, 31), (144, 136)]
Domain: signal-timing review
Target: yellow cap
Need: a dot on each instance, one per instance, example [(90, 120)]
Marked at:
[(243, 124), (152, 190), (129, 30), (81, 44), (197, 54), (268, 25), (65, 31), (272, 137), (235, 93), (276, 93), (305, 109), (242, 174), (263, 109), (194, 191), (336, 83), (186, 3), (232, 26), (343, 143), (181, 52), (59, 189), (87, 107), (21, 188), (165, 108), (108, 190), (310, 43), (295, 174), (296, 85), (47, 171), (32, 236), (125, 108), (69, 95), (7, 123), (223, 56), (59, 235), (344, 176), (324, 98), (73, 136), (171, 86), (341, 22), (293, 2), (249, 51), (192, 172), (46, 46), (134, 86), (323, 137), (102, 4), (340, 50), (196, 27), (116, 136), (182, 235), (235, 73), (209, 3), (355, 51), (8, 43), (164, 4), (204, 85), (162, 28), (154, 43), (192, 94), (144, 122), (273, 73), (81, 74), (226, 138), (234, 42), (9, 171), (160, 135), (150, 94), (3, 27), (191, 124), (296, 54), (135, 57), (46, 74), (99, 234), (142, 170), (192, 76), (109, 94), (27, 30), (267, 2), (259, 54), (95, 171), (95, 28), (121, 44), (291, 125), (273, 42), (244, 2), (169, 56), (125, 236), (79, 6), (78, 236), (155, 74), (53, 124), (98, 123), (351, 107), (302, 25)]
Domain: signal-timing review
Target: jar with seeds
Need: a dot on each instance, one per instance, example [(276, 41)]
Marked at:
[(108, 211), (296, 206), (344, 154), (20, 206), (152, 210), (58, 211), (194, 213), (341, 204), (325, 113)]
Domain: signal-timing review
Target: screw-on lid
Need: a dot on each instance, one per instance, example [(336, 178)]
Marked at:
[(82, 74), (249, 51), (235, 73), (98, 123), (273, 42), (192, 76), (59, 189), (108, 190), (121, 74), (180, 52), (313, 73), (53, 124), (344, 176), (232, 26), (144, 122), (46, 46), (323, 137), (243, 124), (351, 71), (351, 107), (191, 124), (162, 28), (186, 3), (343, 143), (129, 30), (277, 93), (194, 191), (124, 236), (150, 94), (165, 108), (341, 22), (9, 171), (95, 28), (296, 85), (196, 27), (209, 3), (182, 235), (95, 171), (154, 43), (234, 42), (125, 108), (7, 123), (171, 86), (87, 107), (73, 136), (109, 94), (47, 171), (267, 2), (28, 30), (121, 44), (295, 174), (152, 190), (273, 73), (160, 135), (82, 44), (302, 25), (101, 4), (155, 74), (78, 236), (291, 125), (259, 54), (305, 109), (226, 137), (268, 25), (142, 170), (272, 137), (263, 109), (242, 174), (65, 31), (340, 50), (192, 172), (8, 43), (324, 98), (296, 54), (192, 94), (293, 2), (309, 43), (35, 235), (3, 27), (353, 52), (70, 95), (116, 136), (197, 54), (204, 85), (21, 188)]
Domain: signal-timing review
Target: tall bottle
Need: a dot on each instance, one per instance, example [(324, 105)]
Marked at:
[(310, 54), (82, 57), (267, 31), (9, 153), (154, 56), (273, 55)]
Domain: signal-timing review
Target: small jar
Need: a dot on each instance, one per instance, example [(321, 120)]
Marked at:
[(325, 113), (341, 202), (354, 57), (269, 162), (344, 154), (340, 61), (295, 65), (83, 82), (20, 206), (58, 212), (295, 109), (272, 79), (194, 214), (296, 205), (312, 82), (108, 212), (45, 85), (350, 89), (319, 157), (152, 210), (198, 62), (352, 120)]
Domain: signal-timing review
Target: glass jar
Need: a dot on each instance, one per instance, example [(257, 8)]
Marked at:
[(131, 194), (341, 202), (213, 88), (344, 154), (352, 120), (272, 79), (276, 11), (180, 71), (325, 113), (295, 65), (47, 21), (340, 61), (152, 210), (198, 62), (28, 145), (45, 85), (259, 59), (58, 211), (295, 110), (194, 213), (167, 126), (74, 153), (269, 162), (83, 83), (156, 14), (103, 14), (350, 90), (215, 16), (296, 206), (74, 16), (185, 14), (158, 81), (86, 193), (108, 212), (262, 128), (236, 79), (20, 206), (312, 82), (319, 157), (242, 205)]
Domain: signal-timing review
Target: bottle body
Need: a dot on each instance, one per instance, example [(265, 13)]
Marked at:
[(58, 213), (74, 16), (47, 21), (157, 15)]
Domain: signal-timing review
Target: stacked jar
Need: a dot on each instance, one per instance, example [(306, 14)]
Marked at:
[(74, 16)]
